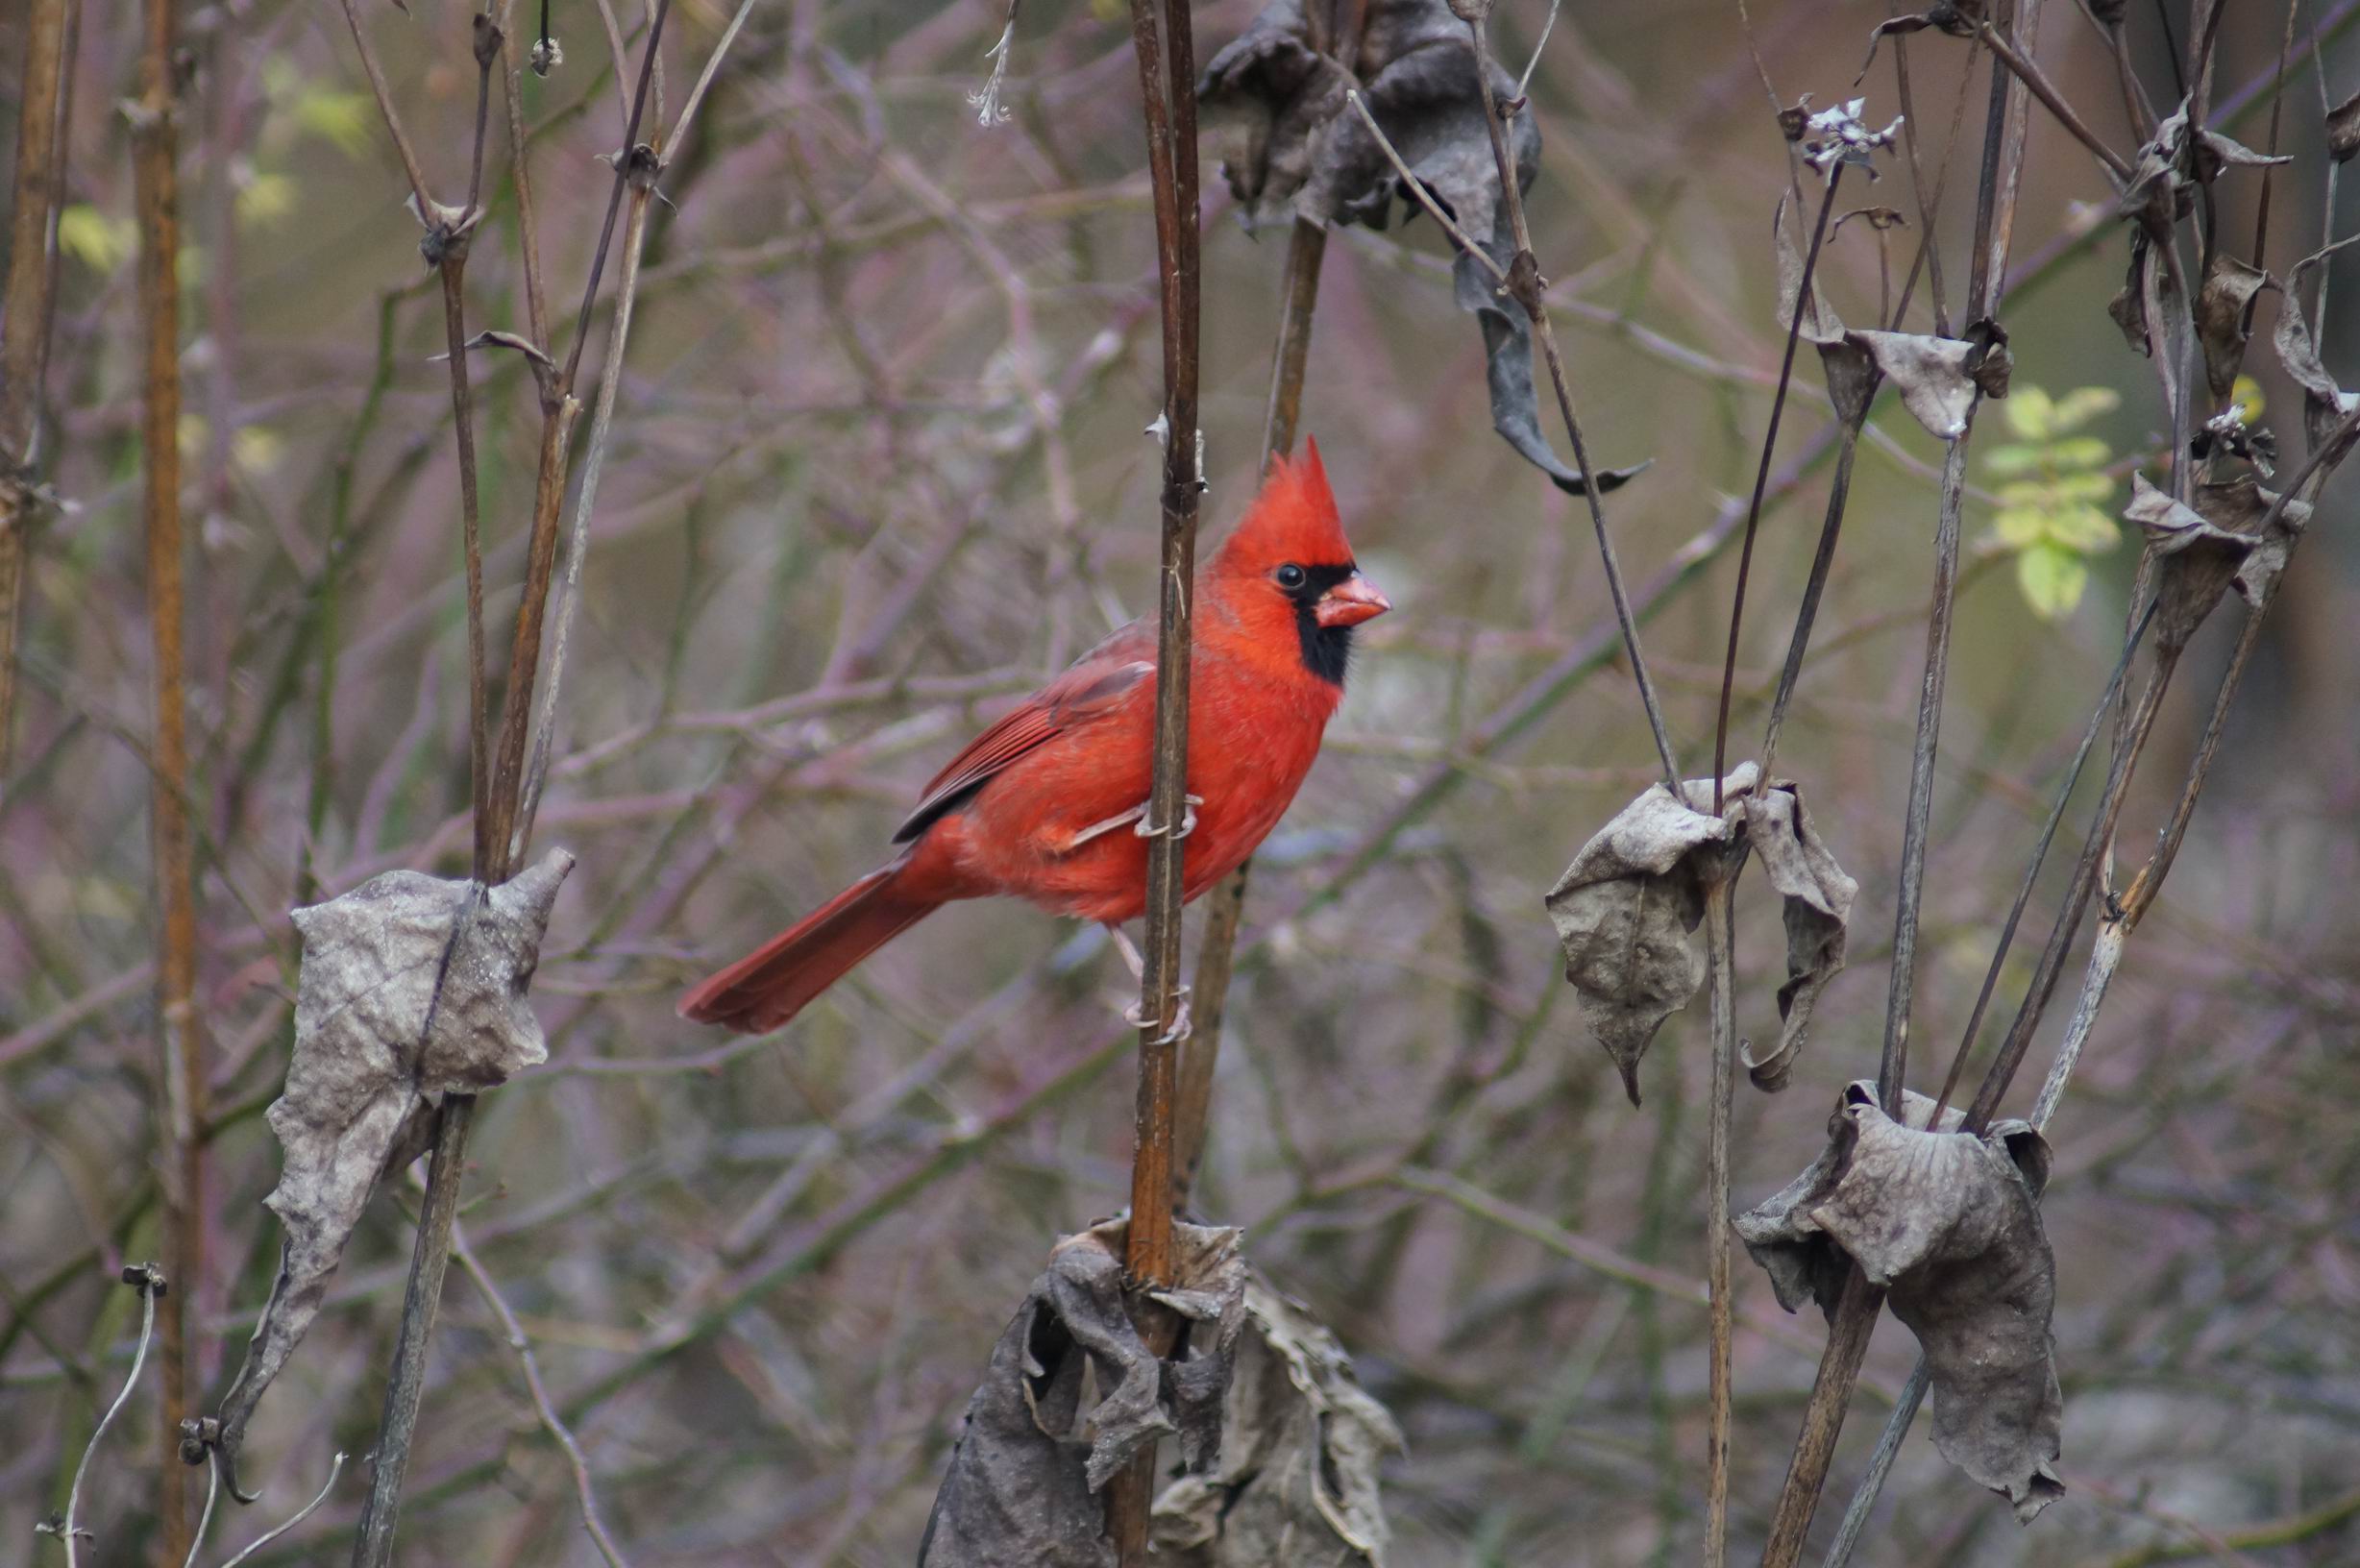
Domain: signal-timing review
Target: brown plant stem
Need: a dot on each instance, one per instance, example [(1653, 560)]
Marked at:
[(1720, 947), (1225, 905), (180, 1064), (1166, 76), (1761, 484), (24, 333), (1859, 1304), (1524, 283)]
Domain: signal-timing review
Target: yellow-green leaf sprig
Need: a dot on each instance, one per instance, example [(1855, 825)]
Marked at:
[(2055, 501)]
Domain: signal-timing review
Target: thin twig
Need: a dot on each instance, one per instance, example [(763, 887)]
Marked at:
[(336, 1468), (179, 1080), (1761, 484), (1225, 904), (1524, 284), (1720, 945), (1167, 75), (150, 1284), (2029, 73), (2040, 853), (212, 1496), (1860, 1303), (551, 1422)]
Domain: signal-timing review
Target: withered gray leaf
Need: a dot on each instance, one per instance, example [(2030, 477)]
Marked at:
[(2343, 129), (2241, 505), (2129, 306), (1301, 1445), (1817, 903), (1949, 1225), (1624, 907), (2230, 286), (1932, 374), (2196, 559), (1022, 1482), (1295, 146), (2324, 404), (411, 987), (1851, 373)]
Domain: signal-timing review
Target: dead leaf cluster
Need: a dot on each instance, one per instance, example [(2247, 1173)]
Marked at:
[(1625, 910), (1293, 147), (1949, 1223), (1024, 1482)]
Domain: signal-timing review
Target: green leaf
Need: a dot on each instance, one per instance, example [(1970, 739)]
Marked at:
[(2081, 406), (2078, 452), (2030, 412), (2036, 494), (2084, 530), (2052, 578), (98, 240), (341, 117), (2020, 527), (2012, 460), (2096, 488)]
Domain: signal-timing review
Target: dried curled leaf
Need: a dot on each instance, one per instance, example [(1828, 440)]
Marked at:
[(2173, 163), (1022, 1482), (412, 988), (1948, 1223), (2204, 550), (1624, 907), (1851, 372), (1300, 1447), (1296, 146), (2220, 304), (1817, 900), (1933, 375), (2324, 404), (2344, 129)]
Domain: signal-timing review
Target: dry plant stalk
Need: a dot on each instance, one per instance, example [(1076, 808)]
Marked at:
[(180, 1067), (24, 330), (1162, 38)]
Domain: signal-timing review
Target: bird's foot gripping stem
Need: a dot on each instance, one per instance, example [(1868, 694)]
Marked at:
[(1136, 818), (1182, 1024)]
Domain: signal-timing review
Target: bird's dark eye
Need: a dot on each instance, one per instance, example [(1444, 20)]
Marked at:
[(1292, 577)]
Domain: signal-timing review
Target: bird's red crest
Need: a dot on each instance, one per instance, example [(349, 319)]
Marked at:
[(1293, 519)]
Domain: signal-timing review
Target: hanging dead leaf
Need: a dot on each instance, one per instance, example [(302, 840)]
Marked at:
[(2220, 304), (1295, 147), (1024, 1481), (1851, 373), (2324, 404), (1930, 373), (1624, 907), (1817, 904), (1948, 1223), (1300, 1448), (412, 988), (2344, 129), (2129, 306)]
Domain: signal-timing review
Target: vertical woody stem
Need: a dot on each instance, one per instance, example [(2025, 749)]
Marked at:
[(1167, 75), (180, 1064)]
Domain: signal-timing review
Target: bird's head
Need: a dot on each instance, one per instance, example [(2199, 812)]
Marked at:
[(1289, 562)]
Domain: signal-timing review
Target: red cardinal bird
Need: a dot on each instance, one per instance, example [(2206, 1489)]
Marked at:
[(1046, 804)]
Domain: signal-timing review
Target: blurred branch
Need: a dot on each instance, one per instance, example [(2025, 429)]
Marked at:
[(179, 1069), (25, 318), (551, 1421)]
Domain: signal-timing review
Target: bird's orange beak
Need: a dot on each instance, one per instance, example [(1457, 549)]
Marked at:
[(1350, 603)]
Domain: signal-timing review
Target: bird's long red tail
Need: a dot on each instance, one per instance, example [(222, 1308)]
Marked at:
[(772, 983)]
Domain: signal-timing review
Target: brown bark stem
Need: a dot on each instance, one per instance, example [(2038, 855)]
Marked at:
[(24, 337), (180, 1064), (1225, 906), (1167, 75)]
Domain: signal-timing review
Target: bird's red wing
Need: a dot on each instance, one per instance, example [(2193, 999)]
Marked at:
[(1094, 686)]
